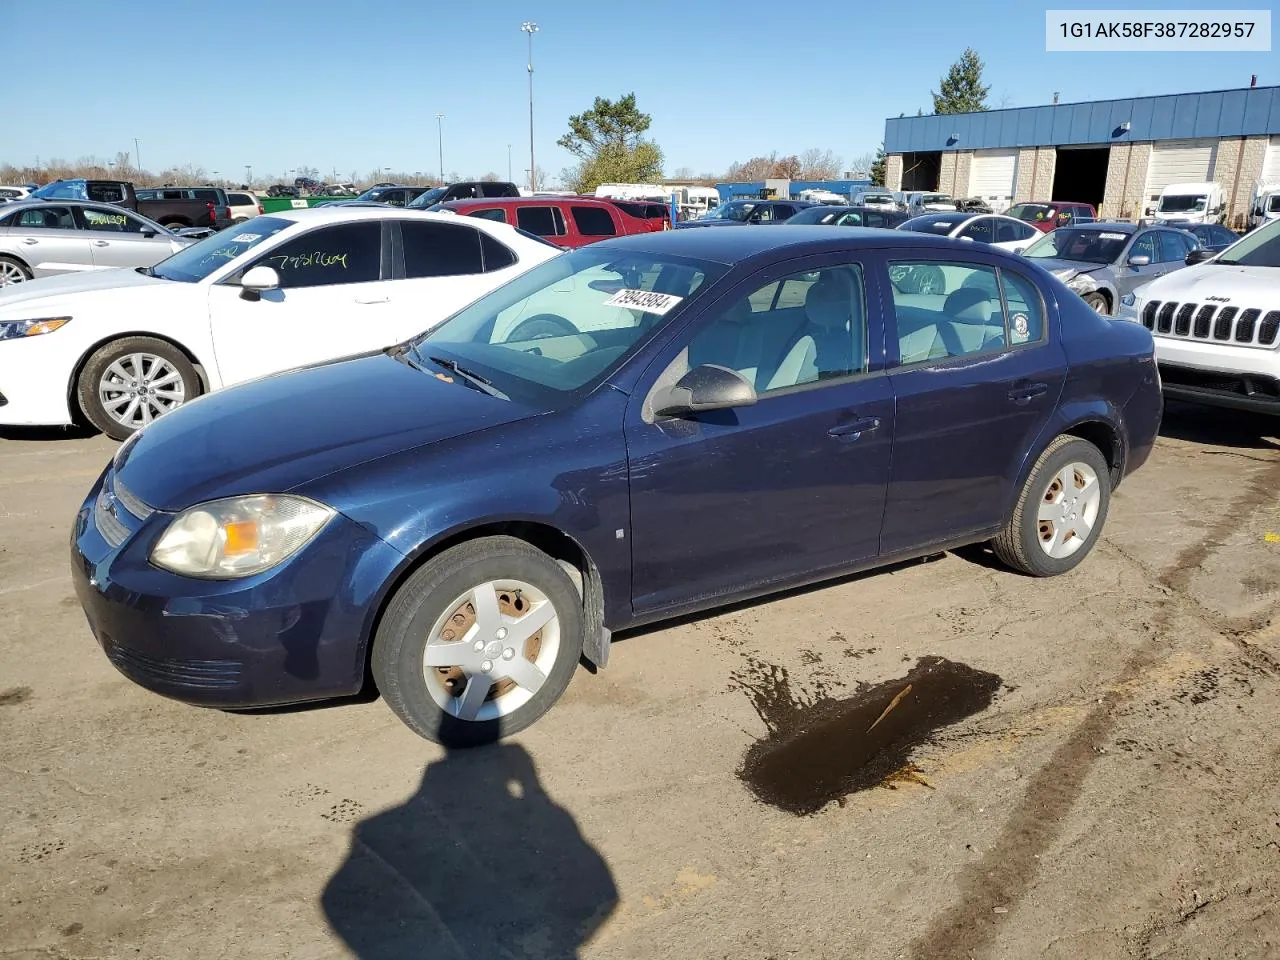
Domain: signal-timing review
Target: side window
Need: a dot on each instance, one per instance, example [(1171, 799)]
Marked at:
[(106, 192), (47, 218), (395, 198), (440, 249), (808, 328), (345, 253), (867, 220), (593, 221), (496, 214), (109, 221), (980, 231), (1145, 246), (1007, 231), (540, 221), (1026, 309), (934, 325), (497, 256)]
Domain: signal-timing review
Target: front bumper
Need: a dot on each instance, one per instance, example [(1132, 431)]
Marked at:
[(33, 381), (294, 633)]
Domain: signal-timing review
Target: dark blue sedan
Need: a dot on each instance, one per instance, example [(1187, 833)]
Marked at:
[(639, 429)]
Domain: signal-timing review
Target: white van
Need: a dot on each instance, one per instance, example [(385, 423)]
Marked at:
[(875, 199), (1265, 206), (1186, 203)]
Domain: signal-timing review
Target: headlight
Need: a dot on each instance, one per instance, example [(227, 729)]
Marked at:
[(1076, 282), (239, 536), (13, 329), (1128, 300)]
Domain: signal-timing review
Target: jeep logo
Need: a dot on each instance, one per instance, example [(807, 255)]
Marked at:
[(1219, 299)]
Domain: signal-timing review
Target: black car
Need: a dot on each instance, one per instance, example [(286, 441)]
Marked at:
[(833, 216), (395, 195), (1213, 237), (744, 210), (282, 190), (465, 190)]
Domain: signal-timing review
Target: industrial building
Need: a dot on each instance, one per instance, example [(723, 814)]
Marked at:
[(1115, 154)]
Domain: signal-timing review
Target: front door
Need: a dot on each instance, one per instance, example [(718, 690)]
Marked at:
[(975, 385), (119, 238), (727, 501), (1130, 277), (331, 303)]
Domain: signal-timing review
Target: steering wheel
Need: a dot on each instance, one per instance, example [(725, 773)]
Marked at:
[(542, 326)]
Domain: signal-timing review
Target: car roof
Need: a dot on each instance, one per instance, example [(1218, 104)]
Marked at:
[(347, 213), (34, 202), (733, 246), (1100, 225), (470, 202)]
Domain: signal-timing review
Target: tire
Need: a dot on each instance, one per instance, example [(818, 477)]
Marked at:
[(1097, 303), (13, 270), (427, 607), (541, 327), (927, 280), (1027, 543), (107, 377), (174, 224)]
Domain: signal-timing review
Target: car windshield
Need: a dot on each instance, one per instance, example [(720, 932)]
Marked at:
[(62, 190), (1258, 249), (192, 264), (940, 224), (566, 324), (1273, 204), (1031, 212), (734, 210), (373, 193), (878, 198), (1182, 203), (814, 215), (936, 198), (424, 200), (1082, 245)]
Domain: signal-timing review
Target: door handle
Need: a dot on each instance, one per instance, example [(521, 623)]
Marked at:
[(1028, 392), (30, 240), (854, 428), (373, 300), (101, 243)]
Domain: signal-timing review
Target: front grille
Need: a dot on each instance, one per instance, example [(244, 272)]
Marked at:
[(206, 674), (128, 500), (1209, 322), (113, 500)]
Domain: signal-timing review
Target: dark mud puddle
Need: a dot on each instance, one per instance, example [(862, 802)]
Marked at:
[(822, 748)]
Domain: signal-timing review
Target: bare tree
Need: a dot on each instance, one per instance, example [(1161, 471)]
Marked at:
[(860, 166), (683, 173), (818, 164)]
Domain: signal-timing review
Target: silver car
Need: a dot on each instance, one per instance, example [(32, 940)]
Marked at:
[(43, 238), (1105, 261)]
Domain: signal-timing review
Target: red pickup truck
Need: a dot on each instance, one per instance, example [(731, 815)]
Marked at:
[(564, 221)]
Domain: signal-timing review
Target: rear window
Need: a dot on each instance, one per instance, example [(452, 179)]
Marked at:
[(242, 199), (440, 249), (499, 190), (592, 221), (645, 211)]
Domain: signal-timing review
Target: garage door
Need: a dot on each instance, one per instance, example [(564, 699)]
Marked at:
[(992, 177), (1271, 163), (1180, 161)]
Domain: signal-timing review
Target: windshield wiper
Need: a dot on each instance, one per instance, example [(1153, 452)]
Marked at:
[(473, 378)]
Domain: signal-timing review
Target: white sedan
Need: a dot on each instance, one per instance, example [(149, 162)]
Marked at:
[(989, 228), (119, 348)]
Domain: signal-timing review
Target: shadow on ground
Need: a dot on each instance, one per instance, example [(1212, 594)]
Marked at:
[(46, 434), (1214, 426), (480, 862)]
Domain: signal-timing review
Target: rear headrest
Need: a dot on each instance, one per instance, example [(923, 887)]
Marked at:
[(969, 304)]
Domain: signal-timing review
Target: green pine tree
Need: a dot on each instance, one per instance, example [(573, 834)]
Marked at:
[(877, 167), (962, 89)]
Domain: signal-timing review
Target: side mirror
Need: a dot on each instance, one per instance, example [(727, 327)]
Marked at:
[(1199, 255), (1139, 260), (149, 234), (258, 280), (708, 387)]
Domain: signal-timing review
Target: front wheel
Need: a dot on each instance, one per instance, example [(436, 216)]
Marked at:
[(127, 383), (1060, 512), (13, 271), (479, 642), (1097, 303)]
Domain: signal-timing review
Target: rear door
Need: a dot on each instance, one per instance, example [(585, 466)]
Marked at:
[(1014, 235), (50, 240), (976, 376), (593, 223), (118, 238), (544, 221)]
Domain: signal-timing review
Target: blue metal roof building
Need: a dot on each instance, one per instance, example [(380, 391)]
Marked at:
[(1231, 136)]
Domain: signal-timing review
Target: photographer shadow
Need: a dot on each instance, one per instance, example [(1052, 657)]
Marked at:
[(480, 862)]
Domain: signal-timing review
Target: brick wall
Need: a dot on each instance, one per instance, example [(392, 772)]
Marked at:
[(1238, 170), (964, 165), (893, 171), (1035, 174), (1126, 179), (947, 175)]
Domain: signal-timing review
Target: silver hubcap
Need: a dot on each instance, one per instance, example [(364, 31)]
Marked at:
[(491, 650), (138, 387), (1100, 306), (11, 273), (1069, 510)]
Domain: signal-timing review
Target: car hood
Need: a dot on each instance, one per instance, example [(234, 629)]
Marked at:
[(54, 292), (1241, 287), (1064, 270), (273, 434)]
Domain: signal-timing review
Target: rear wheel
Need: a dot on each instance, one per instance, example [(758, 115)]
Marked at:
[(128, 383), (479, 642), (13, 271), (1060, 512)]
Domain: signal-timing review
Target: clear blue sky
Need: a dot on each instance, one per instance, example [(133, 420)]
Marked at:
[(357, 85)]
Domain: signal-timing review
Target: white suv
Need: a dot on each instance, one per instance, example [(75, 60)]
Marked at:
[(1217, 325)]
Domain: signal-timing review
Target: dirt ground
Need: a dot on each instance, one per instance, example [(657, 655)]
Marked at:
[(1118, 797)]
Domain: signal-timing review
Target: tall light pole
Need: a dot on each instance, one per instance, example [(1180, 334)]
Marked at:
[(137, 155), (508, 163), (248, 175), (530, 28), (440, 142)]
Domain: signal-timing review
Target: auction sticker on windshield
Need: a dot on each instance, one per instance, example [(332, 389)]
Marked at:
[(246, 237), (644, 300), (1111, 236)]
